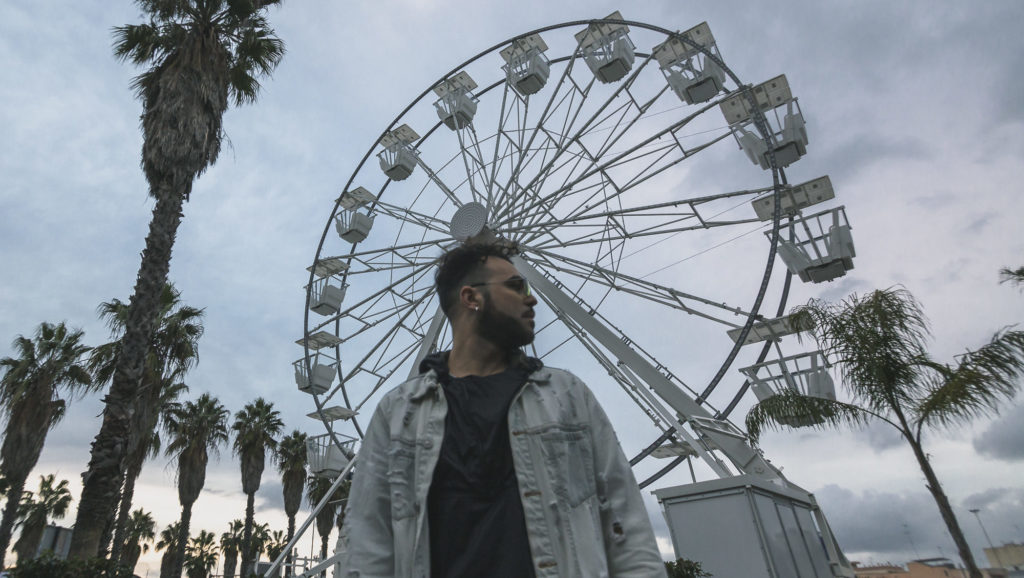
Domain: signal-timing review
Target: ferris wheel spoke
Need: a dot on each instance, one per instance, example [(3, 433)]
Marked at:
[(374, 297), (438, 182), (648, 290), (406, 215)]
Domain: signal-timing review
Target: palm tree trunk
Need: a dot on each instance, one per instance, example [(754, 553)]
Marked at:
[(247, 547), (16, 487), (124, 510), (179, 549), (946, 510), (230, 561), (323, 552), (106, 463), (289, 571), (108, 526)]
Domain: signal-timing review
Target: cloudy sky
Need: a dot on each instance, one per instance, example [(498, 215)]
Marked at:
[(914, 109)]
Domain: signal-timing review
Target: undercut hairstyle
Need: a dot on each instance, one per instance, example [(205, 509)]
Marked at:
[(463, 265)]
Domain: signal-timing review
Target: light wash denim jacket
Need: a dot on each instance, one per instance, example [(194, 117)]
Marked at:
[(585, 517)]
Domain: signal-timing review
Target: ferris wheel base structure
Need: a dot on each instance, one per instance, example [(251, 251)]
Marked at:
[(745, 526)]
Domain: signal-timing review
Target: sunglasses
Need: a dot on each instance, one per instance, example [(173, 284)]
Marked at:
[(517, 284)]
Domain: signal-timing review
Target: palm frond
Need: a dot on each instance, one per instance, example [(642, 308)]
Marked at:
[(1015, 276), (790, 409), (977, 385)]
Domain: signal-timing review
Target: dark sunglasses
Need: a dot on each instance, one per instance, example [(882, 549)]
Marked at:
[(517, 284)]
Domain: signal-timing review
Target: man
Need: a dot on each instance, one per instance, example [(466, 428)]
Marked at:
[(488, 464)]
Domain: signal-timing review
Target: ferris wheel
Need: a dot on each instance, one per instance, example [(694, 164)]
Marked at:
[(643, 183)]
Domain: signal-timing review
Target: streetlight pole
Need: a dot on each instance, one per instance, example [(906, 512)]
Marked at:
[(989, 540)]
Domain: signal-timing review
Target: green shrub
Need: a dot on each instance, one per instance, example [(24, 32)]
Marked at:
[(683, 568), (49, 566)]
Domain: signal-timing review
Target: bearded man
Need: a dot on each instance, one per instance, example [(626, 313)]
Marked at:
[(488, 464)]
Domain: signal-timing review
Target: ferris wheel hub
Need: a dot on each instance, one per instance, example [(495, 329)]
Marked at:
[(469, 221)]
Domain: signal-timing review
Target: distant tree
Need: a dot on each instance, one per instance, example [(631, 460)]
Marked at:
[(317, 488), (683, 568), (291, 462), (196, 429), (30, 405), (230, 544), (256, 429), (173, 350), (139, 532), (274, 546), (201, 555), (50, 502), (877, 342), (168, 542), (201, 57)]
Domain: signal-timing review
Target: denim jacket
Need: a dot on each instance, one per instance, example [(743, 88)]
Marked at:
[(584, 514)]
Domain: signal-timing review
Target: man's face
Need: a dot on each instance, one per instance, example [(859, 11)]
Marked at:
[(506, 318)]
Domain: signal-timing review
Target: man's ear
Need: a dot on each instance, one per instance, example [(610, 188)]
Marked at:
[(470, 299)]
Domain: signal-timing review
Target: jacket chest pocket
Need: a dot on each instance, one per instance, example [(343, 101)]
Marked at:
[(401, 478), (569, 461)]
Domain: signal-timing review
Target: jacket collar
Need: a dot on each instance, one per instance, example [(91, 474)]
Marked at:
[(428, 381)]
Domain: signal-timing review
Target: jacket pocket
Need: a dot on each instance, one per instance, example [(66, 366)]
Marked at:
[(401, 457), (569, 462)]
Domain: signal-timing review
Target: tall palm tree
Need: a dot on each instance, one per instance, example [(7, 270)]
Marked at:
[(291, 462), (168, 542), (50, 502), (139, 532), (230, 544), (274, 546), (173, 351), (317, 487), (260, 541), (201, 55), (30, 404), (878, 344), (256, 427), (201, 555), (196, 429)]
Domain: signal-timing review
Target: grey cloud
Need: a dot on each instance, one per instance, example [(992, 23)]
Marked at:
[(1004, 439)]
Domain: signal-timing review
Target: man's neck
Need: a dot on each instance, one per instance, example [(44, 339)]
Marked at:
[(475, 356)]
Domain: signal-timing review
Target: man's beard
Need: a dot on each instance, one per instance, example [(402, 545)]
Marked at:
[(504, 331)]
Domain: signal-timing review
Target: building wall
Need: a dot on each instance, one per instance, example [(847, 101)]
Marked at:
[(1006, 556)]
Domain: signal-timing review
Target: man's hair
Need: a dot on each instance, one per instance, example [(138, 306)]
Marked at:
[(462, 265)]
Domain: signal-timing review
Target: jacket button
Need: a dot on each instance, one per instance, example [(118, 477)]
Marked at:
[(428, 444)]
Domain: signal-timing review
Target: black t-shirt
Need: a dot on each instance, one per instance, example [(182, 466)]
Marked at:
[(477, 528)]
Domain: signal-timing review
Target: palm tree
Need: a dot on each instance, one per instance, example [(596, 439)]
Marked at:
[(274, 546), (29, 403), (878, 344), (196, 429), (201, 55), (169, 543), (139, 531), (291, 462), (260, 540), (316, 489), (256, 428), (50, 502), (201, 555), (1015, 276), (230, 544), (173, 351)]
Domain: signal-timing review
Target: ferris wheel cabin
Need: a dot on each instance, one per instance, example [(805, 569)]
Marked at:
[(526, 68), (317, 377), (787, 138), (692, 75), (456, 105), (353, 226), (399, 158), (607, 49), (804, 373)]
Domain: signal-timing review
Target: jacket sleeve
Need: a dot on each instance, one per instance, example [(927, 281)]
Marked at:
[(628, 537), (367, 533)]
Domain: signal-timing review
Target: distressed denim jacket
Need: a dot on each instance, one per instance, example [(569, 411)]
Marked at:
[(585, 517)]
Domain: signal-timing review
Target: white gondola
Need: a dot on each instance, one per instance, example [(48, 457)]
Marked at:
[(353, 226), (321, 376), (607, 48), (326, 298), (795, 198), (821, 248), (805, 373), (526, 68), (399, 158), (325, 458), (766, 330), (693, 76), (787, 137), (456, 104)]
